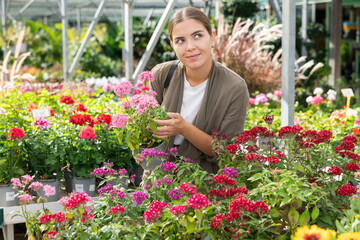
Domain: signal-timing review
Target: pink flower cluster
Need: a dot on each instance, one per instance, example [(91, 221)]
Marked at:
[(58, 217), (227, 192), (142, 102), (166, 181), (150, 152), (101, 172), (231, 172), (119, 120), (146, 76), (139, 197), (106, 189), (42, 123), (221, 178), (87, 133), (123, 88), (154, 211), (175, 194), (316, 100), (168, 166), (116, 193), (260, 98)]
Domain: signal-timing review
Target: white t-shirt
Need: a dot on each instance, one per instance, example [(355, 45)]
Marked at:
[(191, 102)]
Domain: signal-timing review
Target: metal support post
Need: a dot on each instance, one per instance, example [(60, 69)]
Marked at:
[(154, 39), (276, 7), (304, 26), (86, 38), (78, 22), (288, 63), (313, 12), (3, 21), (64, 22), (327, 28), (357, 53), (148, 16), (335, 42), (128, 39)]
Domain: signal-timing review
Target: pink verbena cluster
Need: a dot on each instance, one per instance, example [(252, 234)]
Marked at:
[(188, 187), (87, 133), (42, 123), (123, 88), (168, 166), (198, 201), (142, 102), (119, 120), (78, 199), (117, 210), (139, 197)]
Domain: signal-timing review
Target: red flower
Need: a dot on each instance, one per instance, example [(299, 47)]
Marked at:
[(271, 159), (178, 210), (66, 99), (233, 148), (346, 190), (158, 205), (198, 201), (81, 119), (87, 133), (32, 106), (252, 157), (347, 145), (323, 136), (216, 221), (352, 167), (268, 119), (350, 138), (259, 208), (188, 187), (309, 134), (289, 131), (151, 215), (78, 199), (221, 178), (103, 118), (15, 133), (246, 136), (79, 108), (117, 209), (335, 170), (51, 110)]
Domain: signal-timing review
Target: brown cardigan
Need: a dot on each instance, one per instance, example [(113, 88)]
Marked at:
[(223, 107)]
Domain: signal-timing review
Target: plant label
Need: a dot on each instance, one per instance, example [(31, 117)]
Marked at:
[(347, 92), (92, 188), (79, 188), (10, 196), (38, 113)]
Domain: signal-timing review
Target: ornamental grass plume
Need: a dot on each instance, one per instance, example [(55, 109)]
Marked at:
[(246, 51)]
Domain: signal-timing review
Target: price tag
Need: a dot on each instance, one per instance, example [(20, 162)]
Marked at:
[(79, 188), (92, 188), (347, 92), (10, 196), (38, 113)]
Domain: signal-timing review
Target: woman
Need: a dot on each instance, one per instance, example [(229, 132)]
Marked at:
[(203, 95)]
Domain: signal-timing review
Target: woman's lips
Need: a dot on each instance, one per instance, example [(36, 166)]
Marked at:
[(193, 57)]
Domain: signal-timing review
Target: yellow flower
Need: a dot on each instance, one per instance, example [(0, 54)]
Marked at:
[(349, 236), (314, 233)]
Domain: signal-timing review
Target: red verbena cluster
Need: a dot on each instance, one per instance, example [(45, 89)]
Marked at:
[(158, 205), (178, 210), (221, 178), (346, 190), (78, 108), (103, 118), (57, 217), (15, 133), (335, 170), (246, 136), (227, 192), (198, 201), (352, 167), (188, 187), (67, 99), (289, 131), (242, 204), (117, 210), (268, 119), (216, 221), (346, 147), (233, 148), (78, 199), (86, 217), (80, 119), (154, 211)]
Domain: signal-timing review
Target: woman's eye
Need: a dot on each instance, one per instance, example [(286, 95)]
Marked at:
[(198, 35), (180, 41)]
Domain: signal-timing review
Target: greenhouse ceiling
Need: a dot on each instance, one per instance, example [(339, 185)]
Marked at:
[(49, 10)]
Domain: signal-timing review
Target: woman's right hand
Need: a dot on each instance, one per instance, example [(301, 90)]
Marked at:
[(137, 157)]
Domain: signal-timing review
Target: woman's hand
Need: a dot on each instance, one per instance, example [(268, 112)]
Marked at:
[(137, 157), (171, 127)]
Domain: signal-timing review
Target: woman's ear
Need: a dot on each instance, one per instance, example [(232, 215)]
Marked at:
[(171, 44), (213, 38)]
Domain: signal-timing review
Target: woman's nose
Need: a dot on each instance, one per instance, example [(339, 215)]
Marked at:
[(190, 45)]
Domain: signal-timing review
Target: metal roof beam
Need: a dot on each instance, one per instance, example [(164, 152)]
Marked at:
[(25, 7), (154, 39), (86, 38)]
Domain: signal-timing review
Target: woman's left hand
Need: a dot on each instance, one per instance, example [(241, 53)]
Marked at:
[(171, 127)]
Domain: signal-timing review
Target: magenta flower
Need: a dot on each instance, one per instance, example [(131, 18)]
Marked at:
[(49, 190), (63, 201), (261, 98), (122, 171), (169, 166), (175, 194), (278, 93), (132, 178), (87, 133), (231, 172), (251, 101), (41, 123), (139, 197), (119, 120), (123, 88)]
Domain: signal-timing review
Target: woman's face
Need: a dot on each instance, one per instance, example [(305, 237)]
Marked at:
[(192, 44)]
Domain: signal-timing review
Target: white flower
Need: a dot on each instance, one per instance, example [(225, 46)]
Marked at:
[(271, 96), (331, 92), (308, 99), (2, 111), (46, 76), (318, 91), (351, 112)]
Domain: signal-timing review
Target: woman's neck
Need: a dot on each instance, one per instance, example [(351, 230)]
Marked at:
[(197, 76)]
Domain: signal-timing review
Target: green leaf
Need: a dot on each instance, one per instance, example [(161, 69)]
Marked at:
[(285, 201), (199, 215), (293, 216), (304, 218), (191, 228), (299, 167), (190, 219), (315, 213), (153, 125)]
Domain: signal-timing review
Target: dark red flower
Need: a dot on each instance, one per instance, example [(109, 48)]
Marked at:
[(289, 131), (246, 136), (350, 138), (346, 190), (67, 99), (233, 148), (352, 167), (323, 136), (335, 170), (268, 119), (103, 118), (347, 145)]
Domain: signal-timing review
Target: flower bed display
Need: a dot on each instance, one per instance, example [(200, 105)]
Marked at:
[(264, 190)]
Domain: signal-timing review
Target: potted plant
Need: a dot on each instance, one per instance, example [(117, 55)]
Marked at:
[(137, 114)]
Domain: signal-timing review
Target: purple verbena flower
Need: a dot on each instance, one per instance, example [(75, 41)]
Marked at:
[(175, 194), (139, 197)]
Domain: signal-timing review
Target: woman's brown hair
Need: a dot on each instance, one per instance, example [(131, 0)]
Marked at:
[(188, 13)]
